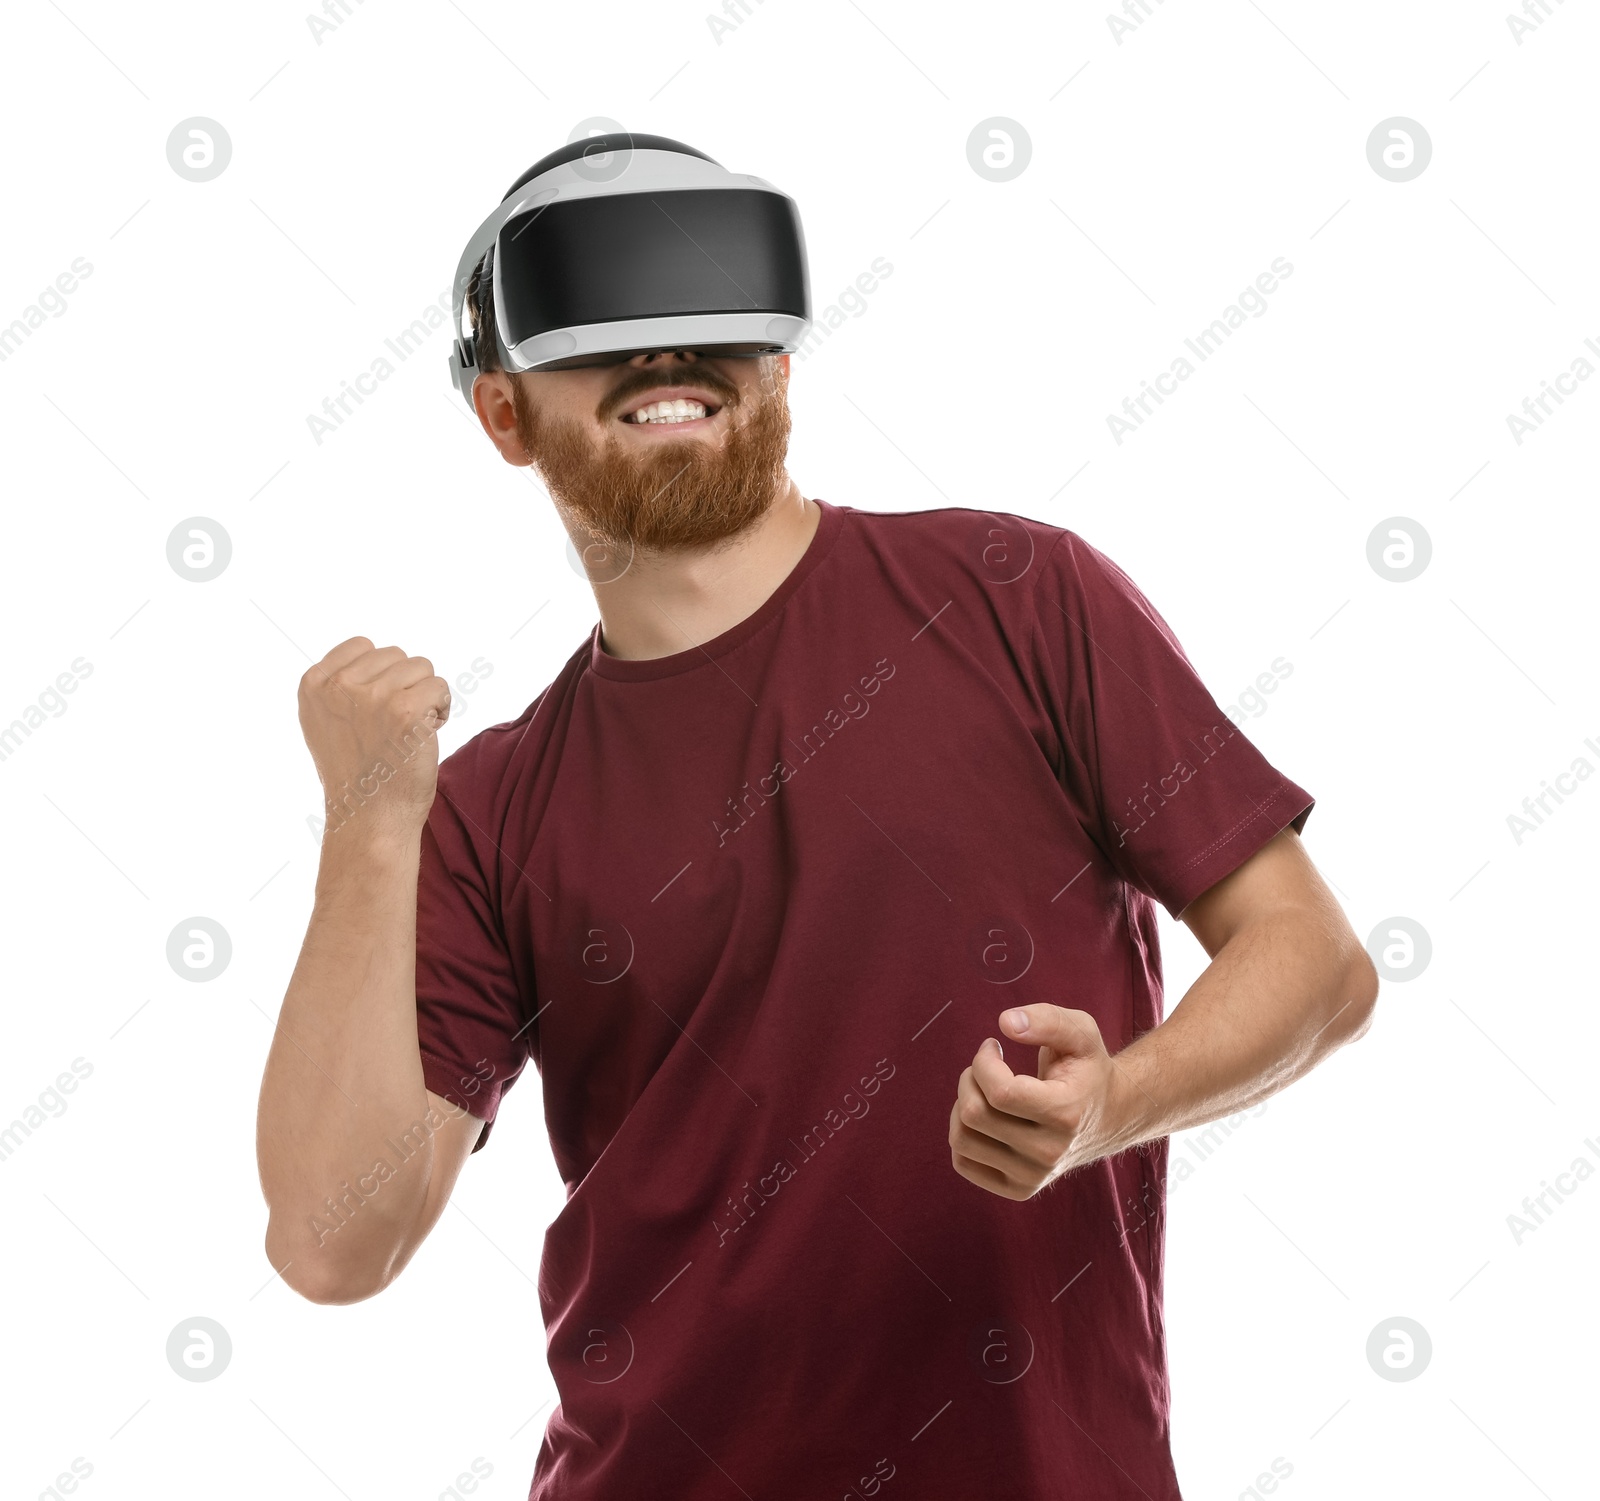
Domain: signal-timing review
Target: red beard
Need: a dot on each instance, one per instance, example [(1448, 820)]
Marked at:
[(671, 496)]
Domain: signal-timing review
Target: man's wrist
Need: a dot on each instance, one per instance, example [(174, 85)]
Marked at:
[(357, 852), (1134, 1113)]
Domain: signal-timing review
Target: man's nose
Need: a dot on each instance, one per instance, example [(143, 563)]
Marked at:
[(687, 356)]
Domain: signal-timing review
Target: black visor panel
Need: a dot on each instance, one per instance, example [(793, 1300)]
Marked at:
[(650, 255)]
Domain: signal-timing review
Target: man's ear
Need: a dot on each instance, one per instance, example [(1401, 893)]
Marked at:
[(783, 365), (491, 399)]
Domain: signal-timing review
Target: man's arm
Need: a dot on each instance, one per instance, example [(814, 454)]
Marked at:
[(343, 1081), (1288, 982)]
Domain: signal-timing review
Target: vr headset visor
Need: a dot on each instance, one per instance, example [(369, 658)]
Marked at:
[(621, 244)]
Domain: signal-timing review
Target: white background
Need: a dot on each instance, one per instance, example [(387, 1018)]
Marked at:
[(1167, 171)]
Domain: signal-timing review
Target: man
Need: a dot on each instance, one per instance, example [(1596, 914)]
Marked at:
[(820, 887)]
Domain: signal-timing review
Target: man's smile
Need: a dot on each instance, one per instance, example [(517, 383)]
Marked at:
[(679, 408)]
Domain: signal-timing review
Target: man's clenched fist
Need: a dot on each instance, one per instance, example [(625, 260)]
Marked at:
[(369, 715), (1013, 1133)]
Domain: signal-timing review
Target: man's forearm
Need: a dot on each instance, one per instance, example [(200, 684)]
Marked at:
[(344, 1076), (1279, 996)]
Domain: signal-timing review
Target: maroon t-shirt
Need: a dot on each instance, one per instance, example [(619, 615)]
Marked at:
[(751, 908)]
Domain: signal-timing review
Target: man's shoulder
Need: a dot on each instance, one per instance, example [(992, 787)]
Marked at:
[(947, 523), (990, 546)]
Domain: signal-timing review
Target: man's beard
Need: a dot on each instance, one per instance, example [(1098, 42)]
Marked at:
[(669, 496)]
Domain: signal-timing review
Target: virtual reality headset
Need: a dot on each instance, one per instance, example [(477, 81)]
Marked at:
[(622, 244)]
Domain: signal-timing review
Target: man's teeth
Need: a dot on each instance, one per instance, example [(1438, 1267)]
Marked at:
[(680, 410)]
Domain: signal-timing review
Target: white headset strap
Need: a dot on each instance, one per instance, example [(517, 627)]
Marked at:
[(463, 372)]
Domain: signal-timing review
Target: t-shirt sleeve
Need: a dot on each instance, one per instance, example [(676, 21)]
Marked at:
[(474, 1030), (1163, 780)]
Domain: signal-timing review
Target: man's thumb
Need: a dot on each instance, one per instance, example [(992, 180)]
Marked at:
[(1060, 1028)]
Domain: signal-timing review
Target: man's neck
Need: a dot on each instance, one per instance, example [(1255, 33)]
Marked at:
[(662, 605)]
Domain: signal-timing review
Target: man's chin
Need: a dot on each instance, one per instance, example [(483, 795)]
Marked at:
[(669, 494), (662, 512)]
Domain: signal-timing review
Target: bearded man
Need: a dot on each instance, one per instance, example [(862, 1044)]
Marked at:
[(820, 886)]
